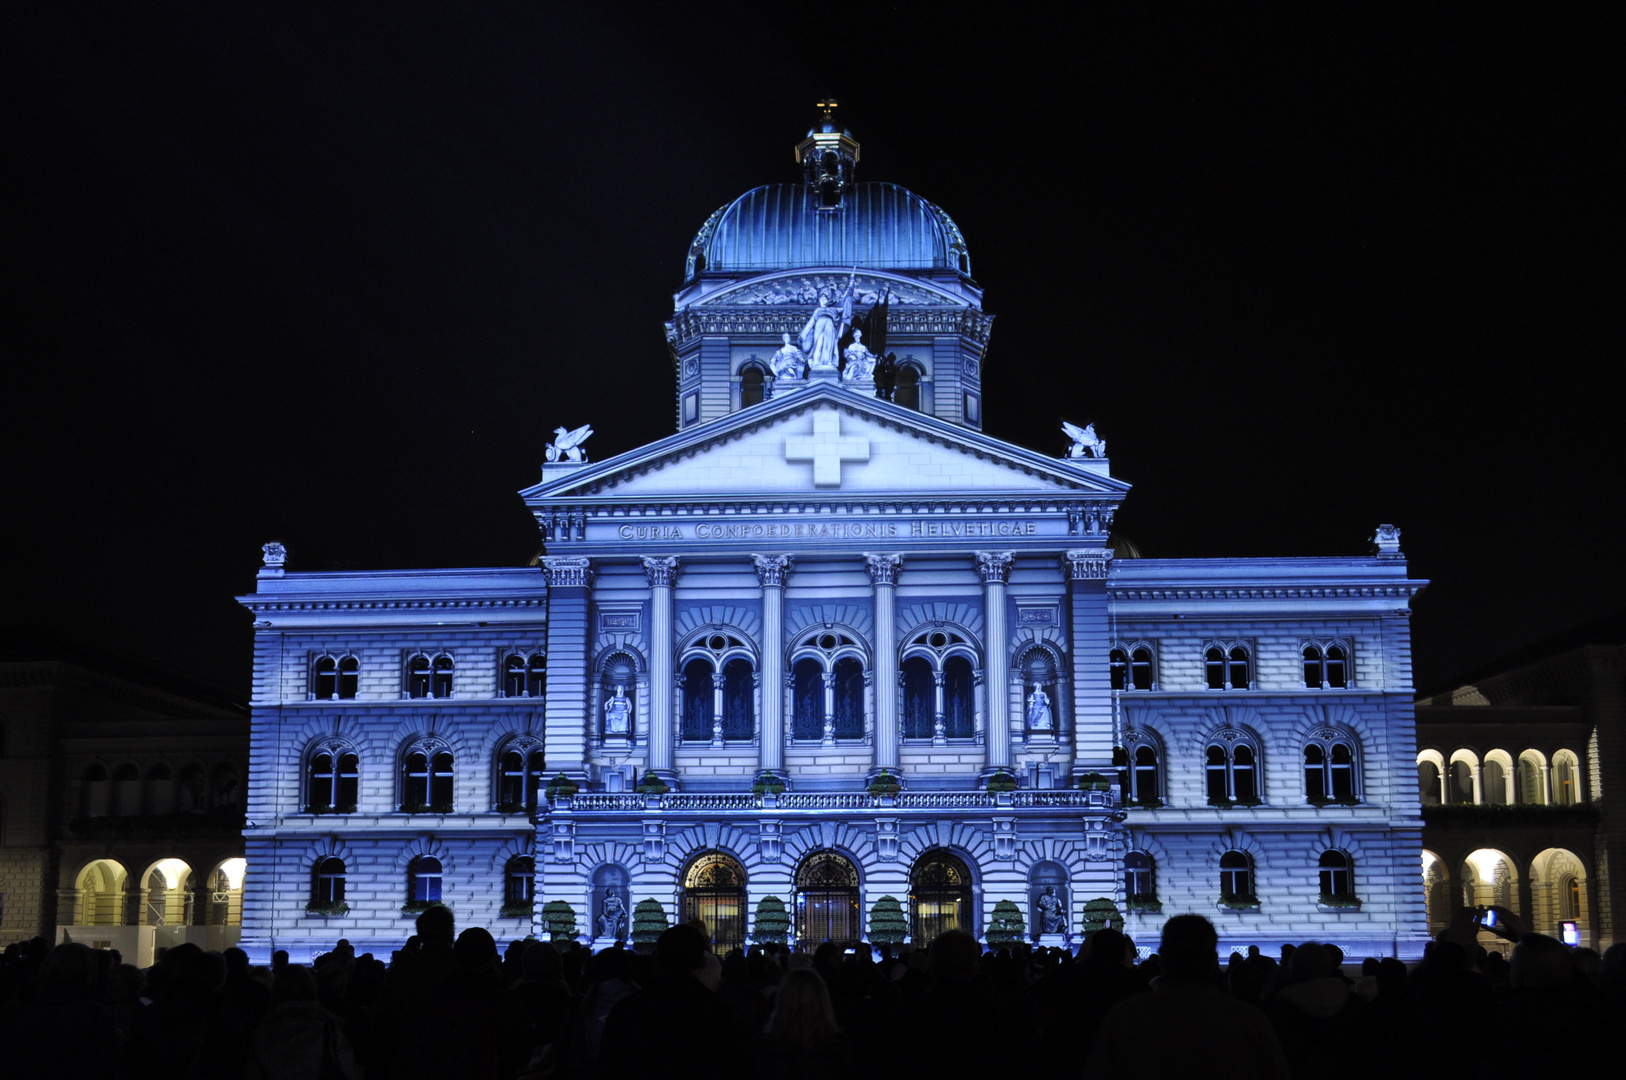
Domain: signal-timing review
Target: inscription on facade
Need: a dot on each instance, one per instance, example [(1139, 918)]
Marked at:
[(828, 530)]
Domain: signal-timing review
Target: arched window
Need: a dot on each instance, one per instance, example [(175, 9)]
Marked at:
[(714, 893), (1140, 878), (520, 769), (1326, 665), (426, 778), (919, 698), (194, 787), (327, 883), (939, 685), (739, 712), (423, 880), (224, 789), (1492, 782), (1566, 775), (333, 780), (519, 882), (697, 700), (807, 700), (1428, 782), (1532, 791), (827, 686), (1132, 666), (334, 677), (939, 896), (719, 689), (1329, 768), (1228, 666), (1337, 875), (160, 790), (1236, 878), (1232, 766), (524, 675), (907, 392), (430, 677), (1145, 786), (827, 899), (752, 380)]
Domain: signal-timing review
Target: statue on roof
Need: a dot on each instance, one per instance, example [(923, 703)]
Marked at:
[(860, 361), (1086, 443), (886, 376), (789, 362), (821, 337), (567, 444)]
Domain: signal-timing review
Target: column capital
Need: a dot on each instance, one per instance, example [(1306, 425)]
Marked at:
[(660, 570), (995, 566), (1087, 564), (771, 570), (882, 569), (567, 571)]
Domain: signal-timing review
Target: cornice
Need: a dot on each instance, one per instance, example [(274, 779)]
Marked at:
[(65, 676), (258, 604), (1268, 592), (770, 321)]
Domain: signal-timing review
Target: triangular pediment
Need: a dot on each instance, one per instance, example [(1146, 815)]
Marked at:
[(828, 440)]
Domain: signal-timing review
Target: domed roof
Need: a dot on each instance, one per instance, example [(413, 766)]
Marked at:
[(783, 226)]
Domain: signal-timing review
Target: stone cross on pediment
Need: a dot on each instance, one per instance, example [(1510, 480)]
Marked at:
[(827, 448)]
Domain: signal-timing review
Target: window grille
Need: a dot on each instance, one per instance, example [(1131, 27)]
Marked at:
[(940, 896), (827, 904), (714, 893)]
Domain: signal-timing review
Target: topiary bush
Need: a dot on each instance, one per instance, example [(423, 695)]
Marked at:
[(1006, 927), (884, 783), (1001, 781), (1101, 913), (559, 918), (652, 785), (648, 922), (562, 787), (772, 922), (886, 922)]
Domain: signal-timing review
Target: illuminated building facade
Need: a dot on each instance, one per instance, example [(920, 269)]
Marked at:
[(830, 647)]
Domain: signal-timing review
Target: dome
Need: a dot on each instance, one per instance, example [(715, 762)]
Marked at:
[(783, 226)]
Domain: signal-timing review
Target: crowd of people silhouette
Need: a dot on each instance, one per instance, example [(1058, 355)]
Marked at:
[(451, 1005)]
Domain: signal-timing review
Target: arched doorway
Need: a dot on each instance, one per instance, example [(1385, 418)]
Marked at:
[(101, 894), (827, 907), (939, 897), (170, 886), (714, 893)]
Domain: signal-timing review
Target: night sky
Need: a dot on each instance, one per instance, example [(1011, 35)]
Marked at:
[(284, 271)]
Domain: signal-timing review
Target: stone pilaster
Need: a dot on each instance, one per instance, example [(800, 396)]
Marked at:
[(883, 575), (995, 569), (569, 579), (771, 573), (1090, 631), (661, 571)]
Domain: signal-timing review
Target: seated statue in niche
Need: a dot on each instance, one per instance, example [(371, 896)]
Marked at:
[(612, 916), (1039, 718), (618, 713), (1052, 912), (860, 365), (789, 363)]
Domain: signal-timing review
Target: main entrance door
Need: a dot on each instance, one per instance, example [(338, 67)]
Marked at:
[(827, 907), (714, 893)]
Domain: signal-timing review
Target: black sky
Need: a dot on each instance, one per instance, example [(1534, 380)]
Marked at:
[(333, 276)]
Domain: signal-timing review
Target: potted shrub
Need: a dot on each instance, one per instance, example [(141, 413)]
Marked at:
[(1147, 902), (768, 784), (413, 907), (886, 922), (562, 787), (559, 919), (651, 784), (1094, 781), (1101, 913), (772, 922), (1001, 781), (1150, 802), (518, 909), (1006, 927), (884, 783), (1239, 901), (1338, 901), (648, 924)]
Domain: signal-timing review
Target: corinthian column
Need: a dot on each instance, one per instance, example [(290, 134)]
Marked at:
[(995, 568), (771, 571), (883, 575), (660, 570)]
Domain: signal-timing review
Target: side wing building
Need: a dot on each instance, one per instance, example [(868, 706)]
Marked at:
[(829, 642)]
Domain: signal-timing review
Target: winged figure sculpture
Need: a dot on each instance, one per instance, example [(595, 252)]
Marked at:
[(1086, 443), (567, 444)]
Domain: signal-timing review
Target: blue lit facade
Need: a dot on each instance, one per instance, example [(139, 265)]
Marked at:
[(806, 598)]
